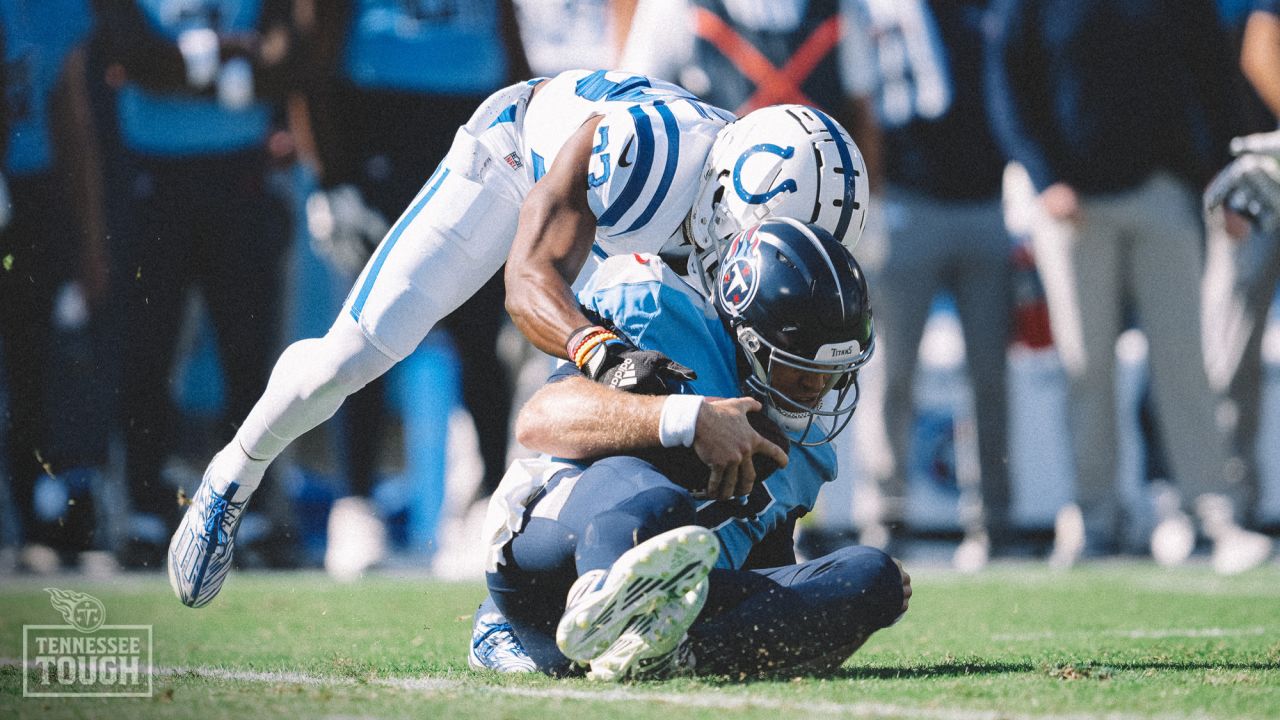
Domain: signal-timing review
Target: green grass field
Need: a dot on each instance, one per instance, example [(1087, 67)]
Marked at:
[(1116, 640)]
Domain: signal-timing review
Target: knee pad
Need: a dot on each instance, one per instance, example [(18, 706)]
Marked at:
[(357, 360), (640, 517)]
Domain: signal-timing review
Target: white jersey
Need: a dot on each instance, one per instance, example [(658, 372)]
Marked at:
[(651, 148)]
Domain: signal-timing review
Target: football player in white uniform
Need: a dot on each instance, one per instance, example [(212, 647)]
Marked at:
[(544, 174)]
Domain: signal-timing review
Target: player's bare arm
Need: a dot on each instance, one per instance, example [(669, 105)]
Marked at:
[(577, 418), (552, 242)]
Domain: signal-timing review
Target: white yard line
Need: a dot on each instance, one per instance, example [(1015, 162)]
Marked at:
[(623, 694), (1134, 634)]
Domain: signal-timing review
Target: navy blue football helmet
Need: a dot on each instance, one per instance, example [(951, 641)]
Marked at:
[(793, 296)]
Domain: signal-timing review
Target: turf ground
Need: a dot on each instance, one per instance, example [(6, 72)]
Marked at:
[(1116, 640)]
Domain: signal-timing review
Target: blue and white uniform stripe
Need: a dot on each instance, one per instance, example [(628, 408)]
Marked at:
[(365, 285), (651, 147), (653, 165)]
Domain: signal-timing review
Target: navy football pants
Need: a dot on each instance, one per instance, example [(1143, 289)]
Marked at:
[(809, 616)]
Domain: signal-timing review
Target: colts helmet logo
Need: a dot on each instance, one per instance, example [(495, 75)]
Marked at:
[(740, 277)]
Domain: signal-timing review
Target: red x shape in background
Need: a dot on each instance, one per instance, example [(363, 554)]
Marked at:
[(773, 85)]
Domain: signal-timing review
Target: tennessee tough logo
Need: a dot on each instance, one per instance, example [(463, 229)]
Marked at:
[(740, 278)]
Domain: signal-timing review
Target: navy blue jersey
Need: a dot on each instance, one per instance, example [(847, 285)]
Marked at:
[(1100, 94), (930, 98)]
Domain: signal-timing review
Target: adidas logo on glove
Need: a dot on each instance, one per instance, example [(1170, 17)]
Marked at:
[(624, 376)]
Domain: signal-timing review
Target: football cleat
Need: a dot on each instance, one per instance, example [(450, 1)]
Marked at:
[(648, 652), (494, 645), (642, 606), (200, 551)]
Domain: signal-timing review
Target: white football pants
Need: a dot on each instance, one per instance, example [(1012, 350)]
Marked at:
[(453, 237)]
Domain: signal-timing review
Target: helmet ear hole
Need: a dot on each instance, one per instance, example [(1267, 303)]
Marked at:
[(750, 340)]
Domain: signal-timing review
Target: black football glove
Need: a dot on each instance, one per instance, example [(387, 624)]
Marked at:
[(617, 363)]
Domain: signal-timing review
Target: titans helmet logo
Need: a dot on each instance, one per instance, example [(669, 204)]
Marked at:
[(740, 275)]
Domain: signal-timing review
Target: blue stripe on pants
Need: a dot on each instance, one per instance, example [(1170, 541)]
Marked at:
[(367, 287)]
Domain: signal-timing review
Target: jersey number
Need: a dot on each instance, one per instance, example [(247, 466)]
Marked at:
[(714, 514), (593, 180)]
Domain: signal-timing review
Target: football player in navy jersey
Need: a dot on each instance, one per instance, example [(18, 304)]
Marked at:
[(544, 174), (605, 551)]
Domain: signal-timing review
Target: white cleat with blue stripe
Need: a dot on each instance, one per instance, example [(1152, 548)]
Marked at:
[(641, 607), (200, 552), (494, 645)]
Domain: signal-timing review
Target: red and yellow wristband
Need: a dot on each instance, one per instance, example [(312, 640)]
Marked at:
[(584, 340)]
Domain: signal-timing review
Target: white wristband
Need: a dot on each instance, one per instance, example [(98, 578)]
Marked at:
[(199, 50), (679, 420)]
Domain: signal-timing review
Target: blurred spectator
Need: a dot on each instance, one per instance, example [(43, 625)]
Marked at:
[(382, 121), (202, 80), (945, 233), (745, 54), (1244, 268), (561, 35), (1116, 111), (51, 247)]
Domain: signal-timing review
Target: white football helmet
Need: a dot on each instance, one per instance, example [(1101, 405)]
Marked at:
[(783, 160)]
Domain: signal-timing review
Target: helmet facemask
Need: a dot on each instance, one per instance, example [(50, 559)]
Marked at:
[(711, 234), (808, 423)]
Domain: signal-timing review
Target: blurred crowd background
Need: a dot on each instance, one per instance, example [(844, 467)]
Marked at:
[(1069, 346)]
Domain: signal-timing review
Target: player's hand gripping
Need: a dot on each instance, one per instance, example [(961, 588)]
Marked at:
[(726, 442), (609, 359), (906, 587)]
